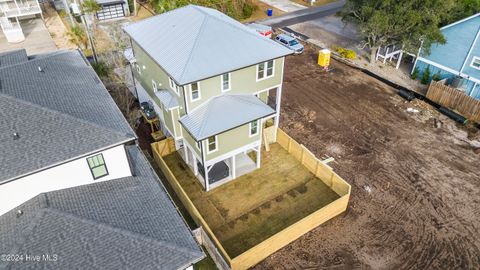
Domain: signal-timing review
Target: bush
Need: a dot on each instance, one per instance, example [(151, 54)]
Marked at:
[(414, 74), (426, 76), (436, 77), (345, 53), (102, 69)]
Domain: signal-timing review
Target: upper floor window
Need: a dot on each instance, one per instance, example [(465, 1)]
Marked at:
[(97, 166), (174, 86), (226, 82), (154, 86), (475, 62), (195, 91), (212, 144), (265, 70), (254, 128)]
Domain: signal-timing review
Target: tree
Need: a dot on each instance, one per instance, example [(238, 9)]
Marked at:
[(462, 9), (91, 7), (77, 36), (408, 23), (426, 76)]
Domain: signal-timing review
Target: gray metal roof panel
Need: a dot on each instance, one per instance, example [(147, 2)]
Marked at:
[(167, 98), (107, 225), (223, 113), (46, 137), (193, 43)]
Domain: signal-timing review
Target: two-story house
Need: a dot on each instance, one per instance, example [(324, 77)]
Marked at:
[(458, 60), (214, 83), (73, 183)]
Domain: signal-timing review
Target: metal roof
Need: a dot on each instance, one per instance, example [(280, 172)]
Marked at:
[(125, 223), (194, 43), (223, 113), (168, 100)]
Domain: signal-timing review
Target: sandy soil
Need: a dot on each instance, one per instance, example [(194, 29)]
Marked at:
[(57, 28), (415, 200)]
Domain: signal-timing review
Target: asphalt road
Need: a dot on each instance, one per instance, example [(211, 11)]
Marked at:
[(304, 15)]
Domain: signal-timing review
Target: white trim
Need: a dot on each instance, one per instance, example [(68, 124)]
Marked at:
[(470, 50), (234, 152), (250, 129), (461, 21), (269, 88), (193, 151), (199, 92), (473, 60), (265, 66), (463, 75), (174, 86), (229, 82), (208, 145)]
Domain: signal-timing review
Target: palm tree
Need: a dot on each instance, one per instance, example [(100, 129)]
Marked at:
[(77, 36), (91, 7)]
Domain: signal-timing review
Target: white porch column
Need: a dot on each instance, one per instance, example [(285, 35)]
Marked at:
[(259, 151), (207, 185), (399, 59), (195, 166), (233, 167), (185, 151)]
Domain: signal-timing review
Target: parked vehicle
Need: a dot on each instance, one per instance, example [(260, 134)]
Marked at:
[(263, 30), (290, 42)]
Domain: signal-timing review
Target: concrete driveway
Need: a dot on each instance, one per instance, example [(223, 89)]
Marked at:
[(37, 38)]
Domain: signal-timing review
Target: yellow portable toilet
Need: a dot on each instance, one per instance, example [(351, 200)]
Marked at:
[(324, 58)]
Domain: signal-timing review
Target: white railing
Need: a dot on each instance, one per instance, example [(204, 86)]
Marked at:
[(16, 9)]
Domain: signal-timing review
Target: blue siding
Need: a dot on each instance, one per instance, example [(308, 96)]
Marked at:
[(459, 40), (468, 70)]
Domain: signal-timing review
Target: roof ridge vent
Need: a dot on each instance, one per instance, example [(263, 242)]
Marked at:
[(40, 69), (16, 136)]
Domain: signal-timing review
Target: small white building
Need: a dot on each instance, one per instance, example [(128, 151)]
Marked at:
[(12, 12)]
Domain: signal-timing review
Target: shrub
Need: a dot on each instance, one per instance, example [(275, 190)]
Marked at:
[(414, 74), (426, 76), (436, 77), (345, 53), (102, 69)]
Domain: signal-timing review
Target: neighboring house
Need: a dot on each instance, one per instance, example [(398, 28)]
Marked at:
[(112, 9), (214, 83), (458, 60), (12, 12), (73, 184)]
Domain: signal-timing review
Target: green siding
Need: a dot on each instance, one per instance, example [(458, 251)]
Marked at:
[(191, 141), (153, 72), (231, 140), (242, 81)]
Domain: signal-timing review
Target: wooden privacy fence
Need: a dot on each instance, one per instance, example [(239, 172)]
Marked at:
[(454, 99), (289, 234)]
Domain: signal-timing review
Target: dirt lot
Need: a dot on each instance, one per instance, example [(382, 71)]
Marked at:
[(415, 200)]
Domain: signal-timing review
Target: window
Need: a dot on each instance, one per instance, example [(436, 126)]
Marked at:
[(265, 70), (253, 128), (154, 86), (195, 91), (97, 166), (475, 62), (270, 68), (225, 82), (212, 144), (174, 86)]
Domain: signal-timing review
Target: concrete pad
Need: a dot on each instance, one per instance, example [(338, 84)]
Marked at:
[(284, 5), (37, 38)]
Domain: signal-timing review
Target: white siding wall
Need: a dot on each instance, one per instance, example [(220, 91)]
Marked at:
[(71, 174)]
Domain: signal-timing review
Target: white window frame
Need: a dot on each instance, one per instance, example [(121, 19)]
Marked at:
[(208, 145), (250, 129), (475, 58), (199, 92), (229, 82), (174, 86), (265, 67), (154, 86)]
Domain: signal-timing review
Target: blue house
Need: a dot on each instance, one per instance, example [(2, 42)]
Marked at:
[(458, 60)]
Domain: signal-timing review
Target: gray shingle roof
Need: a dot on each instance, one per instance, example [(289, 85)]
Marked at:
[(223, 113), (167, 99), (60, 112), (193, 43), (118, 224), (13, 57)]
